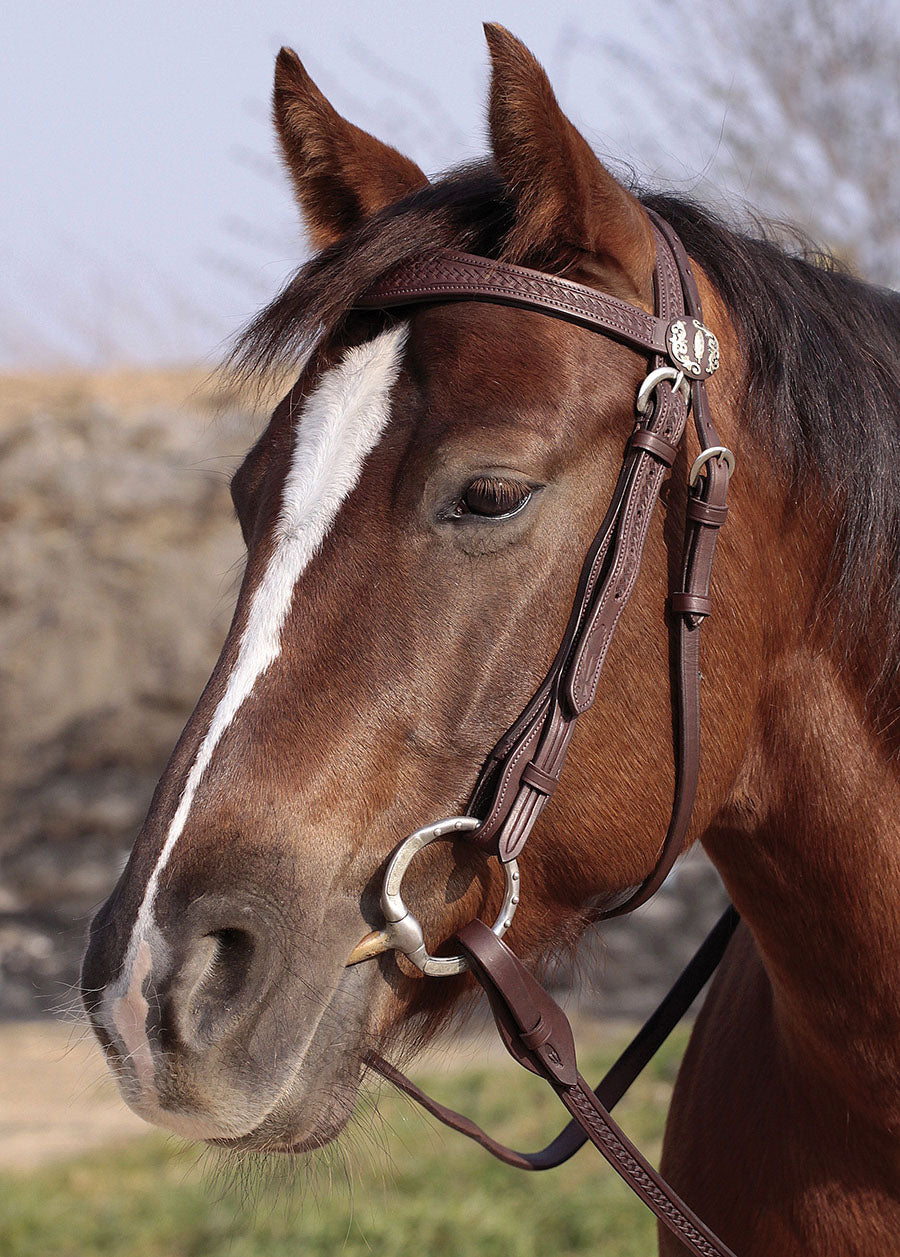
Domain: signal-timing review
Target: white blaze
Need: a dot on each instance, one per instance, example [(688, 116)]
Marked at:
[(340, 424)]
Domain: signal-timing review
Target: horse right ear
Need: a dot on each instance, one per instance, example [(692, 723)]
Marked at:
[(340, 173)]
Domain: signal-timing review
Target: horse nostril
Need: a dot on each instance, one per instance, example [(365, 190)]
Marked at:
[(215, 984), (230, 963)]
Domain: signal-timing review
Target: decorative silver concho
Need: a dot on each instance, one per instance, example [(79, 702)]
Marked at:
[(693, 348)]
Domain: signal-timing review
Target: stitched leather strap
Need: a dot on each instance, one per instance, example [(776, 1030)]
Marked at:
[(618, 1078), (537, 1034), (449, 275)]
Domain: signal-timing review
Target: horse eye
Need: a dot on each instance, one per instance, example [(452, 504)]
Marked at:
[(493, 497)]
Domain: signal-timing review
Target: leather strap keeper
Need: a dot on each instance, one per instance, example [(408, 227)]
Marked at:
[(658, 446), (690, 604), (536, 777), (538, 1036), (704, 513)]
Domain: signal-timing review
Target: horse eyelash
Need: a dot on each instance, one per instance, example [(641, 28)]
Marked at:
[(509, 497)]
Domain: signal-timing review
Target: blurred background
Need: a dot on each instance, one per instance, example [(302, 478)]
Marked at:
[(146, 219)]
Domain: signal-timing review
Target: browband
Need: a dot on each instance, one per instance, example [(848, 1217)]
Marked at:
[(448, 275)]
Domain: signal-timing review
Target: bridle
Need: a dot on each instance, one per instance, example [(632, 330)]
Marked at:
[(524, 768)]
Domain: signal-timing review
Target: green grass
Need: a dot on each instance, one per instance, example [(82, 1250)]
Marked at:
[(400, 1186)]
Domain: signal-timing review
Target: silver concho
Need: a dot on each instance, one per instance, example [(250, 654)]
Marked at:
[(693, 348)]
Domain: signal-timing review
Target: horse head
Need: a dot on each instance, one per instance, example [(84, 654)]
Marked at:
[(416, 514)]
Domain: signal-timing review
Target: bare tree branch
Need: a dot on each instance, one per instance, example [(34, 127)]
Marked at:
[(797, 100)]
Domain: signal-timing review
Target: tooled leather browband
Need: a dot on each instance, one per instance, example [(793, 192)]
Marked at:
[(452, 276)]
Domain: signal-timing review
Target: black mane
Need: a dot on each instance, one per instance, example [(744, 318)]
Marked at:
[(822, 353)]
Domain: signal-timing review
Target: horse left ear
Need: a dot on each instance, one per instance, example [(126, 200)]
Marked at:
[(341, 174), (563, 194)]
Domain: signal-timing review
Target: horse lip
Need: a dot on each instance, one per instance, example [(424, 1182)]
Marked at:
[(256, 1140), (278, 1115), (248, 1143), (344, 1089)]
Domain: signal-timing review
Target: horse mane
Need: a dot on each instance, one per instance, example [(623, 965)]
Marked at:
[(822, 354), (822, 381)]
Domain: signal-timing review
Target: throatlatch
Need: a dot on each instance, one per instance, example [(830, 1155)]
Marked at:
[(524, 768)]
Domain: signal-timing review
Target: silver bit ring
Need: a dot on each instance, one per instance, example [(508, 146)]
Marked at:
[(403, 931)]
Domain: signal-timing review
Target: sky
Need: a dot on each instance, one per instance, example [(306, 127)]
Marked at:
[(146, 216)]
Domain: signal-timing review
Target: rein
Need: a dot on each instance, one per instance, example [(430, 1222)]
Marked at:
[(523, 770)]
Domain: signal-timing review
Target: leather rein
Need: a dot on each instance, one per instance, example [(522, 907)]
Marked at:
[(523, 770)]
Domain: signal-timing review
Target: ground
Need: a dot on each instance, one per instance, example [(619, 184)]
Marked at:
[(57, 1098), (80, 1178)]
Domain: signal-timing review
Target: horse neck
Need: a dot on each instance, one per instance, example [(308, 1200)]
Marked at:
[(809, 848)]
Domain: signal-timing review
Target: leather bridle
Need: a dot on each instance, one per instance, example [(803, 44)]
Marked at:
[(523, 770)]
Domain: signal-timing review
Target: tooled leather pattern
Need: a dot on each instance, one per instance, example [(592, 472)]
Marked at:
[(604, 1134), (463, 275)]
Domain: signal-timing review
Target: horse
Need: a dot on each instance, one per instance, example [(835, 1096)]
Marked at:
[(416, 514)]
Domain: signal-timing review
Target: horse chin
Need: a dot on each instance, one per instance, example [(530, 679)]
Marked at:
[(287, 1130)]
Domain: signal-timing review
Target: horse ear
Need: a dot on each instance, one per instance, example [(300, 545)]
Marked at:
[(563, 194), (341, 174)]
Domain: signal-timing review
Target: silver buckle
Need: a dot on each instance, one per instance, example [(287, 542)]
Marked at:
[(713, 451), (403, 932), (652, 382)]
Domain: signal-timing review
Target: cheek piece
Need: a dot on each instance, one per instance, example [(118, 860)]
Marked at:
[(523, 770)]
